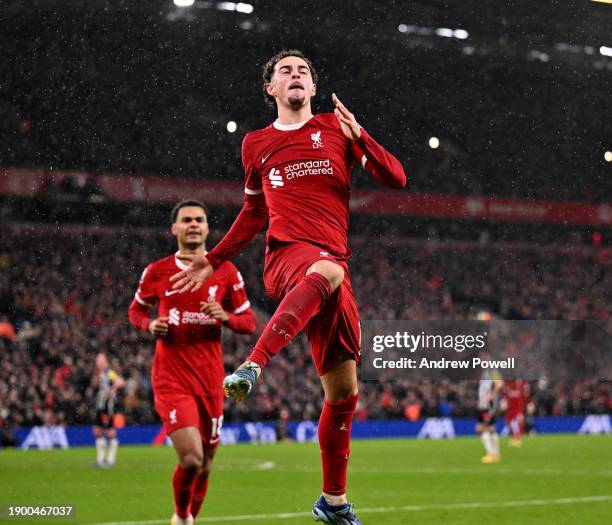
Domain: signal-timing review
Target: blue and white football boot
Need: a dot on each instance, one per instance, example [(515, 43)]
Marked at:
[(239, 384), (338, 515)]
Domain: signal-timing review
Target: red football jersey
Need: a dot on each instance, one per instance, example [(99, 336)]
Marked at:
[(189, 358), (304, 171)]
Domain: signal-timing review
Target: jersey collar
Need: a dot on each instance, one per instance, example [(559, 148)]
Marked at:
[(289, 127)]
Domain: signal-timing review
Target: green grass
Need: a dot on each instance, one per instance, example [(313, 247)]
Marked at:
[(432, 480)]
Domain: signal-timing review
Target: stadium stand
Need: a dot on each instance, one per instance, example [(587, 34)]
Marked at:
[(65, 293)]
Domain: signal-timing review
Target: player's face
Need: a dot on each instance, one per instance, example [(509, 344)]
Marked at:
[(292, 84), (190, 227), (101, 362)]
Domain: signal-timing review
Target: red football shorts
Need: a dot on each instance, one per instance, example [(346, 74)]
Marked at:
[(334, 333), (179, 410)]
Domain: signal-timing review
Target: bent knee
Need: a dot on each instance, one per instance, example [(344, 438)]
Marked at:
[(191, 460), (334, 273)]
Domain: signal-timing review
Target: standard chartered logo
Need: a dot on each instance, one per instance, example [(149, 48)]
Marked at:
[(299, 169), (174, 316), (309, 167), (275, 178)]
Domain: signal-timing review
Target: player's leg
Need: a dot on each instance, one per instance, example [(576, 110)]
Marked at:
[(211, 421), (100, 442), (303, 301), (340, 388), (516, 429), (113, 445), (188, 445), (200, 486), (334, 337), (179, 413), (341, 394), (490, 439), (495, 450), (298, 306)]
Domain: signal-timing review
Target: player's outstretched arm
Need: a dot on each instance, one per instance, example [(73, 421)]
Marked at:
[(383, 166), (250, 221)]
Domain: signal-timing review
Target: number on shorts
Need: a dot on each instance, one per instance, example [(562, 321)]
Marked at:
[(217, 423)]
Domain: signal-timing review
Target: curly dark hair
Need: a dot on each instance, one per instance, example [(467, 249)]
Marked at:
[(269, 66)]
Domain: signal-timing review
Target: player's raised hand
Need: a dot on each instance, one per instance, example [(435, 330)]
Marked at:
[(349, 125), (215, 310), (159, 327), (194, 275)]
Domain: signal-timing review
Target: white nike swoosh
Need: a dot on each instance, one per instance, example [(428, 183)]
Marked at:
[(263, 159), (170, 292)]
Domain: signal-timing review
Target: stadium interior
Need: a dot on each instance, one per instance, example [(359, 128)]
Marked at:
[(502, 104)]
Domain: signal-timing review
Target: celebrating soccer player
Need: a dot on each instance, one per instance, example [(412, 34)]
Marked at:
[(107, 382), (188, 366), (298, 173)]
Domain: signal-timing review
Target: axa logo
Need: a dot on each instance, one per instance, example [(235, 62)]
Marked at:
[(276, 179), (317, 142), (174, 316)]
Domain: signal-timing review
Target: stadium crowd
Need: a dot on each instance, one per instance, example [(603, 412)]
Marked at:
[(64, 295)]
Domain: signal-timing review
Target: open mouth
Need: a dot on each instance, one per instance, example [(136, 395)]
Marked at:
[(296, 85)]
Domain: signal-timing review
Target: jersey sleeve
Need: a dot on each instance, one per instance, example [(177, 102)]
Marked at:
[(381, 164), (237, 305), (253, 184), (236, 300), (144, 299), (146, 295)]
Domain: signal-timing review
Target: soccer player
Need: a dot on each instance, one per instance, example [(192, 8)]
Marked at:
[(516, 397), (188, 367), (298, 173), (488, 399), (107, 382)]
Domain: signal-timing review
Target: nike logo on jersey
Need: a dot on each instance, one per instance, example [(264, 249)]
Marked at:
[(171, 292), (264, 159)]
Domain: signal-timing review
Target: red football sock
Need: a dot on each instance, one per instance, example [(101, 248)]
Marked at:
[(334, 442), (200, 487), (182, 482), (295, 310)]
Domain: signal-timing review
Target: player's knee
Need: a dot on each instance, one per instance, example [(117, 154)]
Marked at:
[(191, 460), (331, 271), (206, 467)]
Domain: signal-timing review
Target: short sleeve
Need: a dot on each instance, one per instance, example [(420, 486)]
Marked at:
[(236, 300), (146, 295), (253, 185)]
